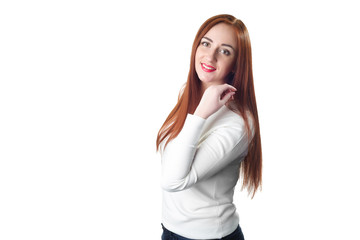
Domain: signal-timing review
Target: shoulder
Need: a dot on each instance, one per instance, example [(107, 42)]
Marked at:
[(227, 124), (225, 133), (227, 118)]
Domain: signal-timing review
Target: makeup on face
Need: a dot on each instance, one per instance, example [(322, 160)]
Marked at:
[(215, 56), (223, 44), (207, 68)]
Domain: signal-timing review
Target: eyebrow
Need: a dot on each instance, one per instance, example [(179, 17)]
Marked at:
[(226, 45)]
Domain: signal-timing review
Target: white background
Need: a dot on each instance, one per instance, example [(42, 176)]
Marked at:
[(86, 85)]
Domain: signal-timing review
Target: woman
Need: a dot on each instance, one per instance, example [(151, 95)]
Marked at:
[(211, 135)]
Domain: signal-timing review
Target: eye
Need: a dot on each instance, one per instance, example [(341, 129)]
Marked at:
[(224, 51), (205, 44)]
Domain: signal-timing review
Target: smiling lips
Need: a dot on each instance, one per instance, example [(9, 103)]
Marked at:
[(207, 68)]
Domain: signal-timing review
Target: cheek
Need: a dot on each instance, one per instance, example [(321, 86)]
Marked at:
[(197, 60), (197, 54)]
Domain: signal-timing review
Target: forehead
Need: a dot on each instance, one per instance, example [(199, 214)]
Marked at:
[(222, 33)]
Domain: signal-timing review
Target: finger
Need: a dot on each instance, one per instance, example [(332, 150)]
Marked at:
[(230, 87), (226, 97), (224, 87)]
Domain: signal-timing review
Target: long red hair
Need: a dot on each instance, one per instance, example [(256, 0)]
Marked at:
[(244, 100)]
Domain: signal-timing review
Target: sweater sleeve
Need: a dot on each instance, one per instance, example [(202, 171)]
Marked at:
[(185, 161)]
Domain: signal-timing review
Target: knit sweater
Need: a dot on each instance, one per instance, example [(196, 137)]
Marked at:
[(200, 169)]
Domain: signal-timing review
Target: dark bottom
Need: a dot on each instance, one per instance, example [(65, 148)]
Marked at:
[(168, 235)]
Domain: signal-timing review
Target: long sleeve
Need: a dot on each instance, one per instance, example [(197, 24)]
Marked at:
[(198, 153)]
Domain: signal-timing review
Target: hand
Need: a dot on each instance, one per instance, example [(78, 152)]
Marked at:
[(213, 99)]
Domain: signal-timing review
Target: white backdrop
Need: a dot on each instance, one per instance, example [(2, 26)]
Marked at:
[(85, 86)]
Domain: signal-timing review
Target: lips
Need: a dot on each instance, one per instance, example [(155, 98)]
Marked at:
[(207, 68)]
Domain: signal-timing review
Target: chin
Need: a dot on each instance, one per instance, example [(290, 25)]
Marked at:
[(207, 80), (207, 84)]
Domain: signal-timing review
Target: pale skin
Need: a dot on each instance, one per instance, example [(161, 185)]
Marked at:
[(214, 60)]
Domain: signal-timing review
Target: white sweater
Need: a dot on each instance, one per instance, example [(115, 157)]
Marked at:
[(200, 169)]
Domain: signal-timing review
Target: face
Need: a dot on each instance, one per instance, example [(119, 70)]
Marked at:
[(216, 54)]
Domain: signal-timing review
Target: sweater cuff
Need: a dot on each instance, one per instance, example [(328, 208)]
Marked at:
[(192, 129)]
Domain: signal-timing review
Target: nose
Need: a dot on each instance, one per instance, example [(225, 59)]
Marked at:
[(211, 55)]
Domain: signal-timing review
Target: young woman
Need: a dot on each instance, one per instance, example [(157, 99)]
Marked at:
[(210, 136)]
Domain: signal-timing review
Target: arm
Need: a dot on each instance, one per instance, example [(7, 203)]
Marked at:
[(184, 162)]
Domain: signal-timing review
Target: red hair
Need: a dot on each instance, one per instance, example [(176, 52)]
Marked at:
[(244, 100)]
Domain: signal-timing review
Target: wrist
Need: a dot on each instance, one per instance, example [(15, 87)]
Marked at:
[(200, 114)]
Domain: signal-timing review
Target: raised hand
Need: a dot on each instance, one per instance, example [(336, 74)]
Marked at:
[(213, 99)]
